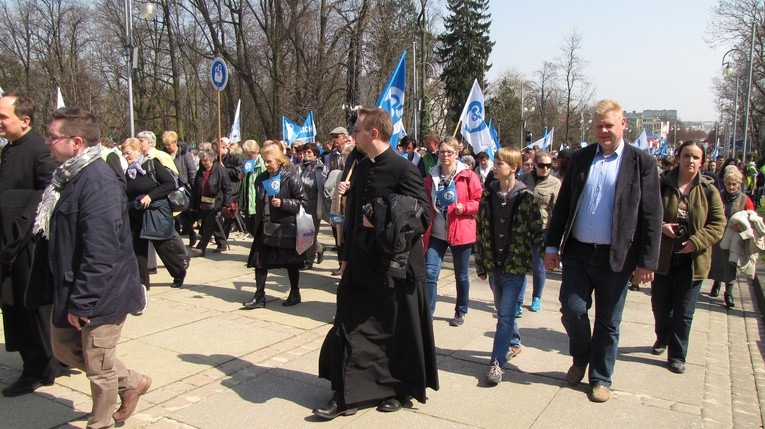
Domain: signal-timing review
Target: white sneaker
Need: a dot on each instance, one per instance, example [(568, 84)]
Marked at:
[(145, 302), (494, 376)]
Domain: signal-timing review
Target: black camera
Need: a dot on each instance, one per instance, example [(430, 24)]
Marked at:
[(681, 229)]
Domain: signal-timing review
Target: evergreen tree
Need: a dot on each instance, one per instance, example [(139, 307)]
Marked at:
[(464, 50)]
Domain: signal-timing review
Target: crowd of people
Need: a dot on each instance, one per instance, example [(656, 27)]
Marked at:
[(83, 217)]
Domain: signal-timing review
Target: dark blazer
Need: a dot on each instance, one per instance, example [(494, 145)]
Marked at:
[(637, 212), (91, 256)]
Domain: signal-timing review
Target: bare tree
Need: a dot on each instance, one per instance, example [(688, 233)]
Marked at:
[(577, 91)]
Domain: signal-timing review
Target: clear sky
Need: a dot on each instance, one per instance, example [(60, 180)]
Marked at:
[(647, 54)]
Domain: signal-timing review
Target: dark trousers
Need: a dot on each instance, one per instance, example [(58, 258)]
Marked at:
[(587, 269), (209, 227), (27, 331), (172, 252), (673, 301)]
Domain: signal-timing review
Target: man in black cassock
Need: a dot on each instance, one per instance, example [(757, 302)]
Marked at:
[(25, 170), (381, 348)]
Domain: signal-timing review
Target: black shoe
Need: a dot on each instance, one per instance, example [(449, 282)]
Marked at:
[(258, 301), (715, 292), (332, 410), (306, 266), (178, 283), (677, 366), (394, 404), (221, 249), (634, 287), (292, 299), (458, 320), (729, 300), (152, 270), (320, 256), (26, 384), (658, 348)]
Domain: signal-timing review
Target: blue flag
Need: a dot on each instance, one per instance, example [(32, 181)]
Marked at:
[(290, 130), (716, 152), (664, 151), (272, 185), (491, 151), (392, 100)]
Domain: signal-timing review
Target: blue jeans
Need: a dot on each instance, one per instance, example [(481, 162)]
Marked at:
[(538, 274), (673, 301), (586, 269), (434, 257), (506, 288)]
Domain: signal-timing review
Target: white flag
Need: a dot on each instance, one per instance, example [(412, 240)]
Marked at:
[(59, 98), (473, 117), (548, 140), (236, 134), (642, 141)]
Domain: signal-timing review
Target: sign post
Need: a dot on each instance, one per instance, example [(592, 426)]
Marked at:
[(219, 79)]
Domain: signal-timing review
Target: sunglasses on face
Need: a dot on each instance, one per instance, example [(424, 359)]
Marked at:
[(543, 165)]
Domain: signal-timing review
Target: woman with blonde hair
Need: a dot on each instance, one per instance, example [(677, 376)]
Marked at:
[(279, 196)]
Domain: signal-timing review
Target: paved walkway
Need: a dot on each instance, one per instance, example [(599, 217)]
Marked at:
[(215, 366)]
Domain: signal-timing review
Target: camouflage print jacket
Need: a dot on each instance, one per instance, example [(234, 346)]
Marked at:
[(525, 230)]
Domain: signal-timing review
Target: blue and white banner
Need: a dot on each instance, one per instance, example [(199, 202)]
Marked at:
[(392, 100), (235, 135), (642, 141), (716, 152), (664, 151), (291, 131), (545, 143), (473, 117), (495, 137)]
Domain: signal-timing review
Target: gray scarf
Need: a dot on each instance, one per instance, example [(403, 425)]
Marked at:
[(61, 176)]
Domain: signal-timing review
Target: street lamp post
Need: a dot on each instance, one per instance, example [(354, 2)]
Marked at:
[(729, 71), (581, 124), (148, 11)]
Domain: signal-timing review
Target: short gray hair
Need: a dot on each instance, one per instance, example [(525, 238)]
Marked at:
[(149, 137), (206, 154)]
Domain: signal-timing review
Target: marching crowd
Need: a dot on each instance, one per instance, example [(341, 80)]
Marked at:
[(83, 217)]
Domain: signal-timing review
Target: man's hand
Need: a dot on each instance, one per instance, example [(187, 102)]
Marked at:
[(276, 202), (551, 261), (342, 187), (643, 275), (342, 267), (459, 208), (482, 276), (77, 321)]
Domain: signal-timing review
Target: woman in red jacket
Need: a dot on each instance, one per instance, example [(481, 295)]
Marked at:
[(454, 192)]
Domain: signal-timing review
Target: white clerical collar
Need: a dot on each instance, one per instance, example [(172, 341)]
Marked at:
[(375, 157)]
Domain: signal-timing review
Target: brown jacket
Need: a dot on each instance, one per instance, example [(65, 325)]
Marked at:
[(706, 220)]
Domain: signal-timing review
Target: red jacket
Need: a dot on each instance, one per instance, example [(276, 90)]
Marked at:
[(460, 229)]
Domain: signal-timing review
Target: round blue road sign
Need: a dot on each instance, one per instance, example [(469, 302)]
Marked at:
[(218, 74)]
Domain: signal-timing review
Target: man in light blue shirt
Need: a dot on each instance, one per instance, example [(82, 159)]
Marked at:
[(606, 223)]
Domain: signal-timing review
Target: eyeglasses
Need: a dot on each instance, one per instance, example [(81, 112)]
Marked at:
[(446, 152), (50, 139), (543, 165)]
